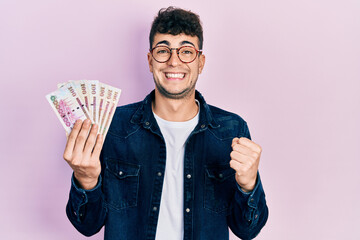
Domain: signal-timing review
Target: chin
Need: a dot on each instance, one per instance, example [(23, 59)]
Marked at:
[(175, 95)]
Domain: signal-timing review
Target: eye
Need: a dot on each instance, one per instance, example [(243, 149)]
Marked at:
[(162, 50), (187, 51)]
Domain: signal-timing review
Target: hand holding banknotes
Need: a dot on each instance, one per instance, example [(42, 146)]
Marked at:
[(82, 153), (85, 108)]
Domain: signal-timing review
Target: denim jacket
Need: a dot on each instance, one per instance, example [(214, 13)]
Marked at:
[(127, 197)]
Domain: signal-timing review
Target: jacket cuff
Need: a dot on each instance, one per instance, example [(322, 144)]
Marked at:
[(250, 198), (79, 197), (89, 195)]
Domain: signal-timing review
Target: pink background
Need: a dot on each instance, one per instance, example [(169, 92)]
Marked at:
[(290, 68)]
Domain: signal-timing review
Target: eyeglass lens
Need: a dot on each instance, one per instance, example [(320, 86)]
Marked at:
[(163, 54)]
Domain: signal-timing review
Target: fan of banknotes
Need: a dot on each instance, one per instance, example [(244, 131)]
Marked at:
[(85, 99)]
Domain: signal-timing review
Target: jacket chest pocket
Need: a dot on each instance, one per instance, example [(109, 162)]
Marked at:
[(121, 184), (219, 188)]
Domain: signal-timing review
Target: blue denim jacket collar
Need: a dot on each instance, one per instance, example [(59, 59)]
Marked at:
[(145, 117)]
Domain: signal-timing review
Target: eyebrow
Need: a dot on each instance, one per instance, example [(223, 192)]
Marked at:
[(186, 42), (163, 42), (168, 44)]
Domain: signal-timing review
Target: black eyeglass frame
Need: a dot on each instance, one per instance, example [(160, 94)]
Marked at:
[(198, 52)]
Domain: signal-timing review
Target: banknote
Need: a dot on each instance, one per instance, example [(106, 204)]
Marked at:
[(102, 91), (67, 106), (85, 99), (82, 89), (93, 91), (113, 103), (106, 107)]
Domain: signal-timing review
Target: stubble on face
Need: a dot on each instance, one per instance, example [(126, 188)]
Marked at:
[(175, 95)]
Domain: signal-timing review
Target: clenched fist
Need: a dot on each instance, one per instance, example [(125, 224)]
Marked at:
[(82, 153), (245, 161)]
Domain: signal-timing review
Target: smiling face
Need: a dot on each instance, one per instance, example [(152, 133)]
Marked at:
[(175, 79)]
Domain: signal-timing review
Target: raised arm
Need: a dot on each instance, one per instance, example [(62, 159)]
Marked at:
[(249, 210), (85, 208)]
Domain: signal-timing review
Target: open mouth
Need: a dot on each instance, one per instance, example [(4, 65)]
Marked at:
[(174, 76)]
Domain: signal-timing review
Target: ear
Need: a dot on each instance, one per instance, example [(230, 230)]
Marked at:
[(150, 62), (201, 62)]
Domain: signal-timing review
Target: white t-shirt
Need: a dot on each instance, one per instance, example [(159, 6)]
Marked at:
[(171, 215)]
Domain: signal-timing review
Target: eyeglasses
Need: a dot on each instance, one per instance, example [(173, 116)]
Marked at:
[(186, 54)]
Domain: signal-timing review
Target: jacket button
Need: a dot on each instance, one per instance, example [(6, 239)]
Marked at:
[(220, 175), (121, 173), (203, 126), (154, 209), (159, 174), (147, 123), (188, 176), (187, 210)]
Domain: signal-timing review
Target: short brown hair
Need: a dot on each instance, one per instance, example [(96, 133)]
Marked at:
[(175, 21)]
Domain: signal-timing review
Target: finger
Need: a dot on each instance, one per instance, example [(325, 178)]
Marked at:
[(81, 138), (98, 146), (242, 149), (69, 148), (250, 144), (234, 141), (90, 142), (239, 157), (236, 166)]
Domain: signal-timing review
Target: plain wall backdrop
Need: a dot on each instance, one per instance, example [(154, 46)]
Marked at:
[(291, 69)]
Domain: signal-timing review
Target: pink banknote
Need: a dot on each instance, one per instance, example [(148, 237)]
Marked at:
[(85, 99), (68, 106)]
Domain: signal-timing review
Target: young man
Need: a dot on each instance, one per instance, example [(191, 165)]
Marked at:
[(172, 166)]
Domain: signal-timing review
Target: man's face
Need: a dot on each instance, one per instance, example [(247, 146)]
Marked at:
[(175, 79)]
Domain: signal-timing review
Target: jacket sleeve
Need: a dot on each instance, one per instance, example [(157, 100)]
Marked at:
[(86, 209), (249, 211)]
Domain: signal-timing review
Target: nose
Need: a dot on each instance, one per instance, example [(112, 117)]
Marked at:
[(174, 58)]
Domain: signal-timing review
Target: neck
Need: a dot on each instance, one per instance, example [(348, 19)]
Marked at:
[(175, 110)]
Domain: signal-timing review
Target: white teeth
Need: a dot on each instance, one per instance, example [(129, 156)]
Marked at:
[(175, 75)]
